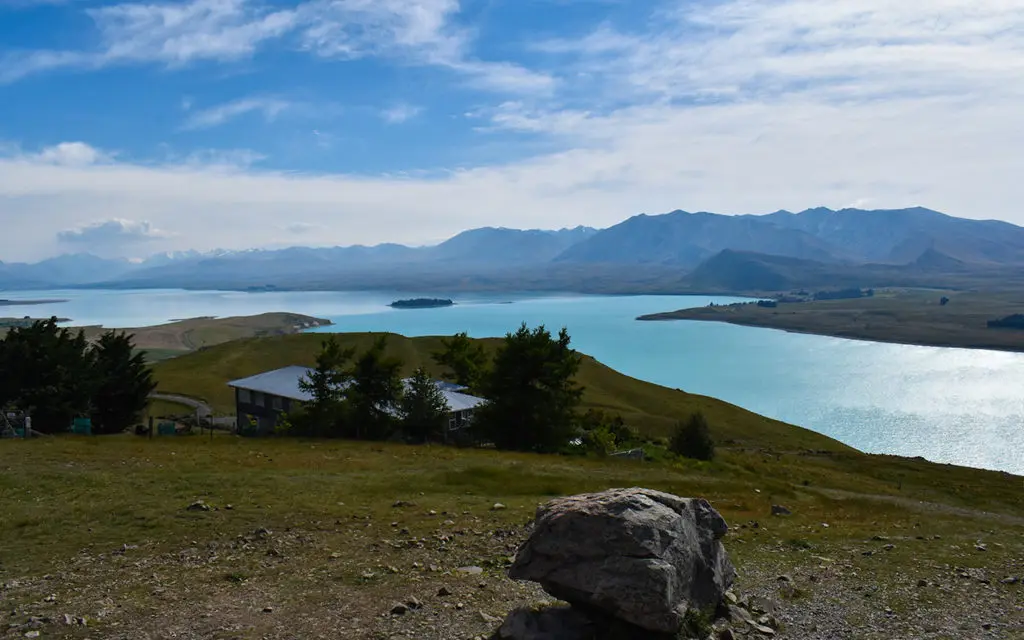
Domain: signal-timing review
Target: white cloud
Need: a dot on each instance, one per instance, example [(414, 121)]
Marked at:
[(417, 32), (170, 33), (400, 113), (114, 233), (71, 153), (269, 108)]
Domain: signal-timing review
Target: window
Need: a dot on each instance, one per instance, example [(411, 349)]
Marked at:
[(276, 403), (257, 398), (452, 422), (245, 396)]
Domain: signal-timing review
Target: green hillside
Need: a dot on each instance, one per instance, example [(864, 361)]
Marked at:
[(648, 408)]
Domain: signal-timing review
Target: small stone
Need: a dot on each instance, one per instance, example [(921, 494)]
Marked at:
[(1010, 580), (31, 634), (879, 539), (268, 609), (198, 505), (444, 592), (229, 507), (730, 597), (922, 583), (987, 626), (399, 609), (760, 628), (889, 547), (401, 503), (498, 507), (784, 578), (980, 547), (867, 553), (726, 634), (487, 619), (414, 603), (779, 510), (473, 571)]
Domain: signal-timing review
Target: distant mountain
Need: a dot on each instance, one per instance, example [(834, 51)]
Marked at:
[(669, 253), (65, 270), (508, 246), (901, 235), (686, 239)]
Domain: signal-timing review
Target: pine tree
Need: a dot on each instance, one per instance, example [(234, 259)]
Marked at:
[(465, 360), (424, 408), (531, 392), (124, 382), (325, 414), (375, 393)]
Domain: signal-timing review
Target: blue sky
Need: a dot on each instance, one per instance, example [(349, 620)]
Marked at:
[(128, 128)]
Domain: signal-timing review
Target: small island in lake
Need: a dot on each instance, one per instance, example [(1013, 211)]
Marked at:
[(421, 303)]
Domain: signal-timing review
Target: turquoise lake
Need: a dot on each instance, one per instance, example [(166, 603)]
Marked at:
[(948, 405)]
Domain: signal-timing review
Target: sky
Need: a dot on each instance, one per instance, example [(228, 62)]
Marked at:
[(129, 128)]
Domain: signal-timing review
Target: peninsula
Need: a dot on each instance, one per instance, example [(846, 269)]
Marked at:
[(422, 303), (970, 320), (27, 303)]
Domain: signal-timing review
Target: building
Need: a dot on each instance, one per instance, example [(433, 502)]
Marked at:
[(260, 400)]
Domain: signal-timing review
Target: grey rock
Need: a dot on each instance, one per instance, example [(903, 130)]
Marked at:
[(498, 507), (399, 609), (198, 505), (726, 634), (472, 571), (779, 510), (1010, 580), (444, 592), (557, 623), (642, 556)]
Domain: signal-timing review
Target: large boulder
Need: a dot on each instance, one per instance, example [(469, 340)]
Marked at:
[(642, 556)]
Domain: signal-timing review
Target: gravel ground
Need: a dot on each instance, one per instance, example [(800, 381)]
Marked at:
[(451, 585)]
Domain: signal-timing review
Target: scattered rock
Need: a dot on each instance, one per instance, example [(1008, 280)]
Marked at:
[(980, 547), (922, 583), (198, 505), (784, 578), (498, 507), (889, 547), (268, 609), (472, 571), (444, 592), (487, 618), (726, 634), (414, 603), (399, 609), (779, 510), (31, 634), (1010, 580), (642, 556)]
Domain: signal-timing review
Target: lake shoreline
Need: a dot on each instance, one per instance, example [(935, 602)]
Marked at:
[(953, 320), (670, 316)]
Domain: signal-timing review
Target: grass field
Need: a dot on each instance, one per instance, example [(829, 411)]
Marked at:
[(98, 528), (906, 316)]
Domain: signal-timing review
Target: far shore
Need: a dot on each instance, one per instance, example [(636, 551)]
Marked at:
[(27, 303), (911, 317)]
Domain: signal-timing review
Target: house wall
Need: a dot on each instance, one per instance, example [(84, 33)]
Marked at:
[(264, 408)]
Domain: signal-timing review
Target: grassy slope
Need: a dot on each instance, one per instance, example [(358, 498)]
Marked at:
[(176, 338), (649, 408), (901, 316)]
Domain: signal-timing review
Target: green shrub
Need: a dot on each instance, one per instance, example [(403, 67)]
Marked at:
[(692, 439)]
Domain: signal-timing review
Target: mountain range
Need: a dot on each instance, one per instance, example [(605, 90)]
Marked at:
[(673, 252)]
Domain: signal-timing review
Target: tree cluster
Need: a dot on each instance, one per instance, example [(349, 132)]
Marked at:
[(528, 383), (56, 375)]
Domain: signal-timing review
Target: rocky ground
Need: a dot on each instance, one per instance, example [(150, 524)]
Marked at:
[(362, 578)]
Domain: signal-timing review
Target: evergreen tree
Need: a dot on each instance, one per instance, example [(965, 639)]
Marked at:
[(465, 359), (124, 383), (531, 392), (692, 439), (47, 371), (325, 414), (375, 393), (424, 408)]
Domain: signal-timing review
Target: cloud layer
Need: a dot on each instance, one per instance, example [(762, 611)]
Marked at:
[(734, 106)]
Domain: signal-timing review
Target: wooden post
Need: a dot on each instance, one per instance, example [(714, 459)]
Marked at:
[(150, 427)]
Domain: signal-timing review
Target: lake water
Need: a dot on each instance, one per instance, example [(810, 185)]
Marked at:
[(948, 405)]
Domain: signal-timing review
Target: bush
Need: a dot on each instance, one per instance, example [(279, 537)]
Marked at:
[(692, 439)]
